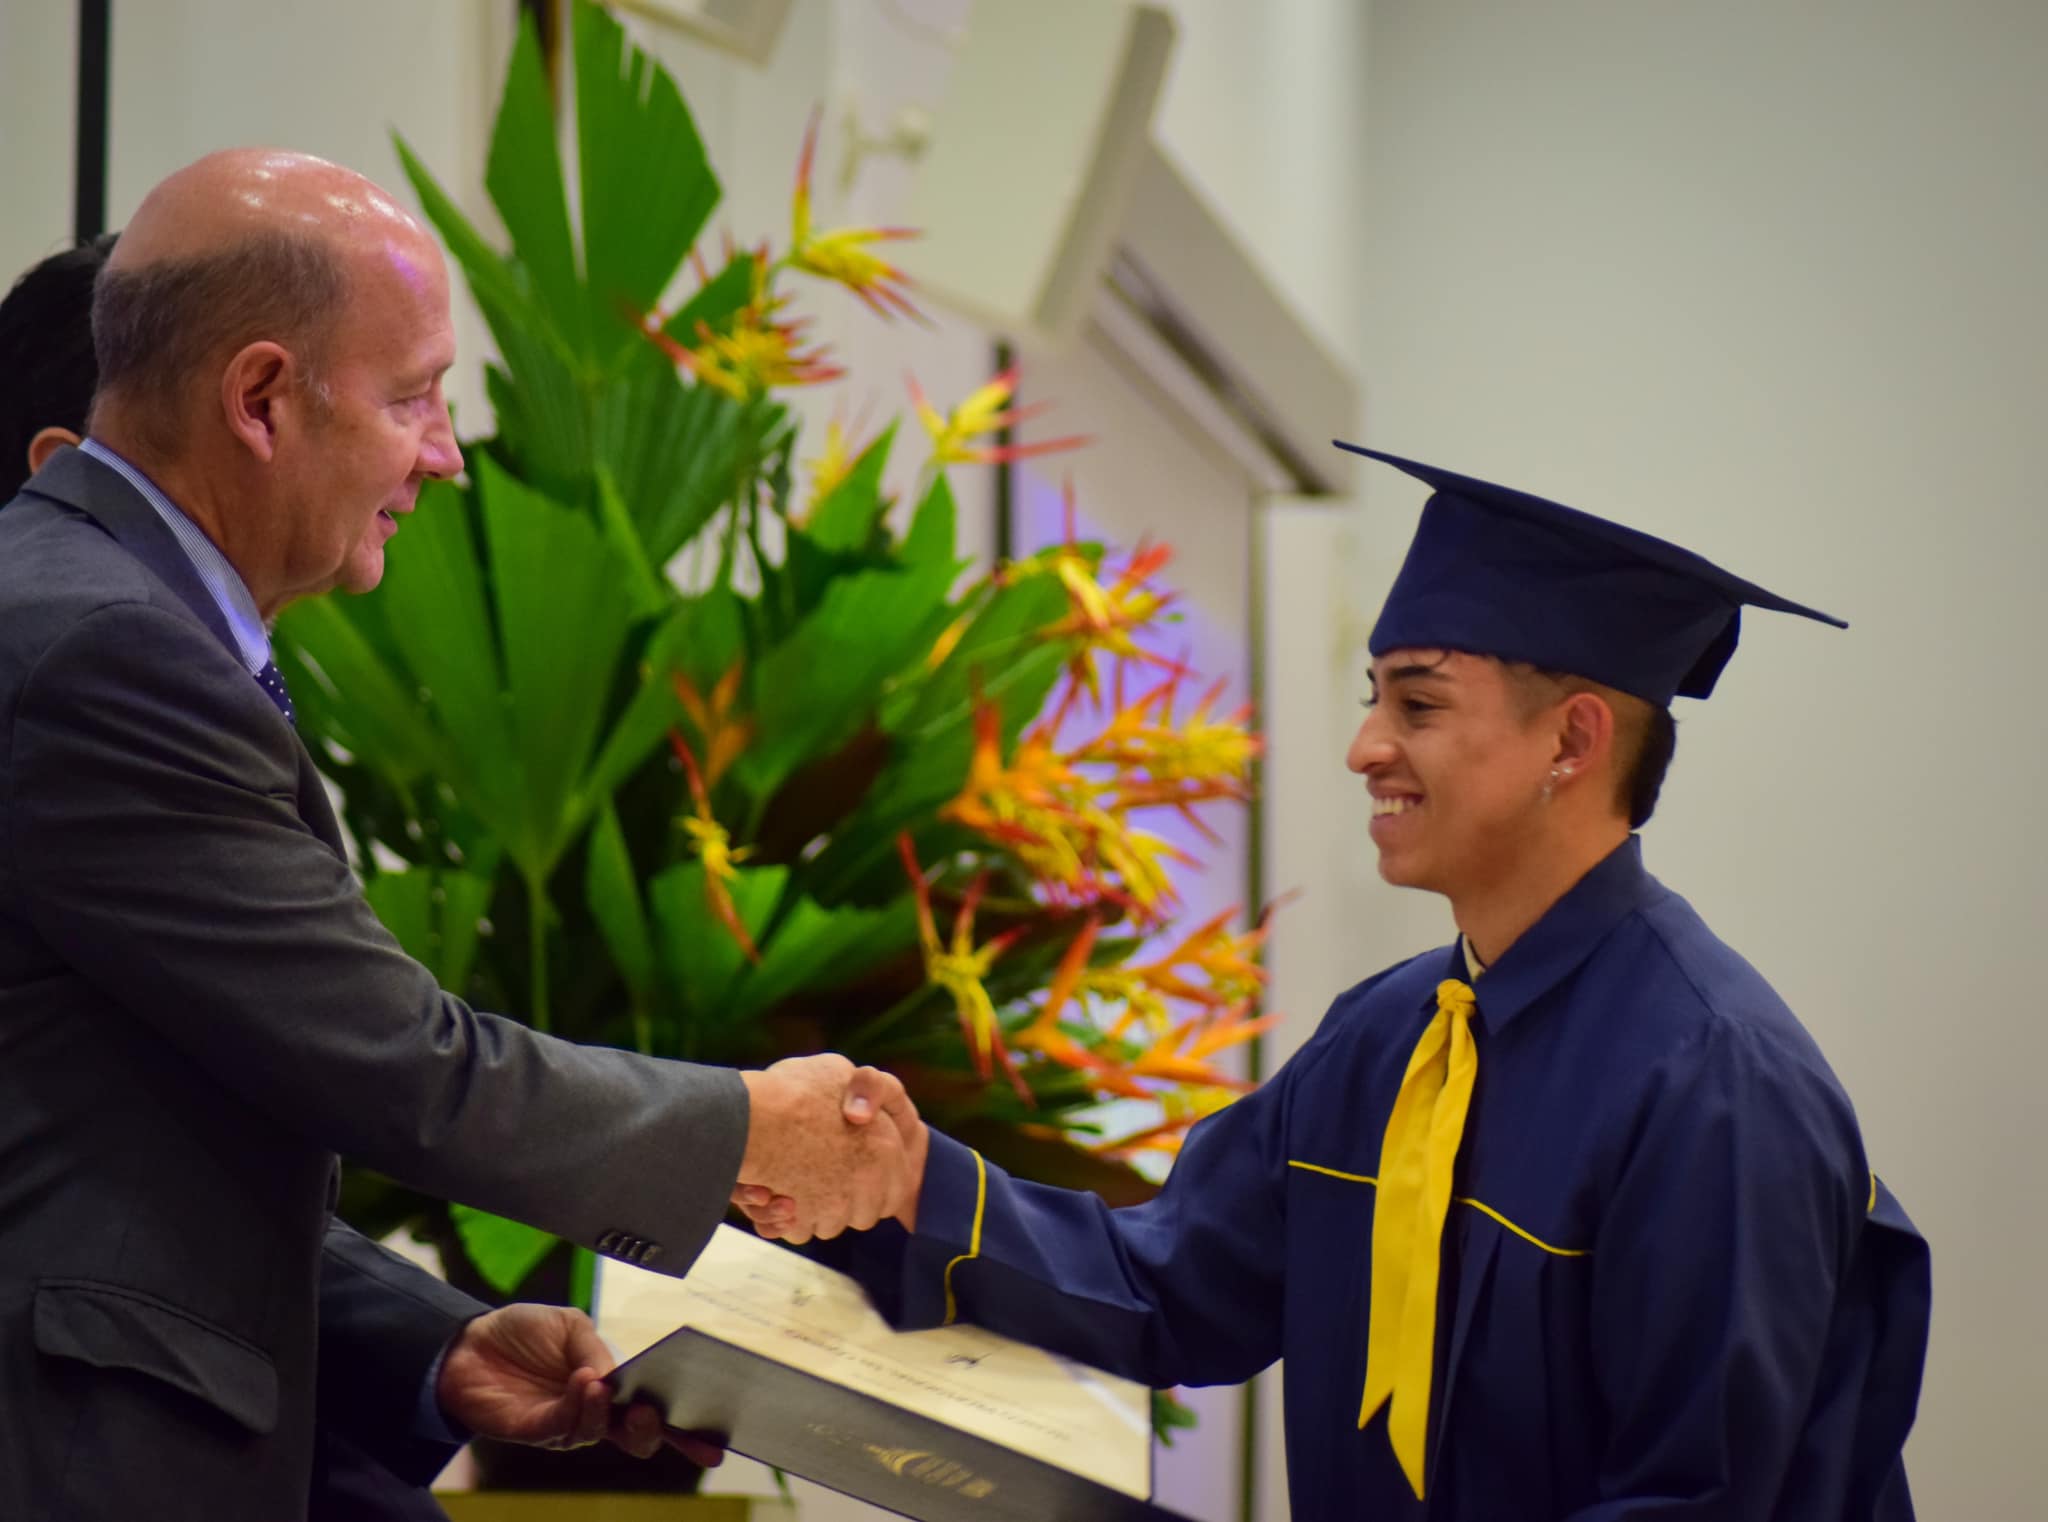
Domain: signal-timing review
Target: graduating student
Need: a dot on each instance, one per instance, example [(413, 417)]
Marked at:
[(1567, 1219)]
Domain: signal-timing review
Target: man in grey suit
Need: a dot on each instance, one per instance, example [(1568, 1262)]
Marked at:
[(197, 1010)]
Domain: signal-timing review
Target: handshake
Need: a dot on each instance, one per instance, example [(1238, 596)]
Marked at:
[(830, 1148)]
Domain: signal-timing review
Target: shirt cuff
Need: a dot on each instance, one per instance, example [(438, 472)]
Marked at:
[(429, 1422)]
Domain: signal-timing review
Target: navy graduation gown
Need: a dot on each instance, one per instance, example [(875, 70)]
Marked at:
[(1671, 1286)]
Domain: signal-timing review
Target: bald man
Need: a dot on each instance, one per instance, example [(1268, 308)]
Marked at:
[(197, 1009)]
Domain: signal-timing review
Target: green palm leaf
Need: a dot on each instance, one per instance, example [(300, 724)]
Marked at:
[(814, 690), (647, 186), (847, 517), (562, 622), (524, 178)]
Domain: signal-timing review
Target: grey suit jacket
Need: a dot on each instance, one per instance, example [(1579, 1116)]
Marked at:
[(197, 1012)]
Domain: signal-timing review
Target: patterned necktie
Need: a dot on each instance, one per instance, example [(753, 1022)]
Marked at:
[(1417, 1157), (273, 688)]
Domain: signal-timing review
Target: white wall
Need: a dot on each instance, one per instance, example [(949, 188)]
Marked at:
[(38, 95), (1264, 110), (1766, 279), (192, 76)]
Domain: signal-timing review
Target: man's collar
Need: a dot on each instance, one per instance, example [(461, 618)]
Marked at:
[(223, 583), (95, 489), (1552, 948)]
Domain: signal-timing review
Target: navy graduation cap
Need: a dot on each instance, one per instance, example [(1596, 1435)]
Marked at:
[(1494, 571)]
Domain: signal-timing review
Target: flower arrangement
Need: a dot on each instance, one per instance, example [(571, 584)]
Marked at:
[(829, 793)]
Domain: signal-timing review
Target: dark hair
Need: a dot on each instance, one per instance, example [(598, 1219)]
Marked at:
[(156, 326), (1645, 778), (1646, 738), (46, 361)]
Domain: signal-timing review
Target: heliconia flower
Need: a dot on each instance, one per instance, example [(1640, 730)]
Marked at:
[(1145, 737), (985, 411), (1174, 1068), (713, 845), (1105, 619), (724, 735), (1138, 860), (831, 465), (844, 255), (1044, 1034), (755, 357), (1028, 805), (1226, 959), (756, 354), (1182, 1107), (960, 967), (1063, 826), (1101, 618), (1213, 968), (1174, 1071), (1180, 1056), (1140, 1002)]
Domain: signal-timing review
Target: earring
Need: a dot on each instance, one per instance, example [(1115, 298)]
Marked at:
[(1557, 775)]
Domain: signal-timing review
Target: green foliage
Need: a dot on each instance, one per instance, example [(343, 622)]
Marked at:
[(664, 820), (1169, 1416), (503, 1251)]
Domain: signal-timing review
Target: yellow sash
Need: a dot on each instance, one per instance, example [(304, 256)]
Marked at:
[(1417, 1157)]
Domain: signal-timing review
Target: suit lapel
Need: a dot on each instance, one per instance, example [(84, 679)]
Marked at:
[(80, 482)]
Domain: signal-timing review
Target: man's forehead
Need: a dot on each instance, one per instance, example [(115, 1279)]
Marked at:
[(399, 295), (400, 268)]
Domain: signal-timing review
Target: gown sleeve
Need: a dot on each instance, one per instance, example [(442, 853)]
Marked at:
[(1185, 1289)]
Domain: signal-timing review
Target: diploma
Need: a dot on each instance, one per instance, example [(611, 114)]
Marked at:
[(789, 1360)]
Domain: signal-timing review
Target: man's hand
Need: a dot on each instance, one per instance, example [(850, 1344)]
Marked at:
[(535, 1374), (816, 1162)]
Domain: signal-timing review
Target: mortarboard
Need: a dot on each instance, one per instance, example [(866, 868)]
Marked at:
[(1494, 571)]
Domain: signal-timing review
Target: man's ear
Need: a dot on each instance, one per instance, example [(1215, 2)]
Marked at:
[(255, 388), (1586, 736), (46, 443)]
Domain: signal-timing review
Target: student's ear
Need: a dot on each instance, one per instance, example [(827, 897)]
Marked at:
[(1586, 737)]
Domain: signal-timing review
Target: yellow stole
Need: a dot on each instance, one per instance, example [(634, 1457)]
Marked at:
[(1417, 1156)]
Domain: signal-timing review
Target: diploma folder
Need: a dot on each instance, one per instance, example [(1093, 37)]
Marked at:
[(791, 1363)]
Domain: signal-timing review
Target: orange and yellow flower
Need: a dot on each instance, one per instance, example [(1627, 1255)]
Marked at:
[(845, 254), (713, 846), (1225, 961), (1163, 762), (987, 410), (1175, 1067), (1181, 1056), (724, 733), (1070, 830), (1145, 738), (757, 353), (1101, 618), (1180, 1108), (1032, 804), (961, 968), (1045, 1034)]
